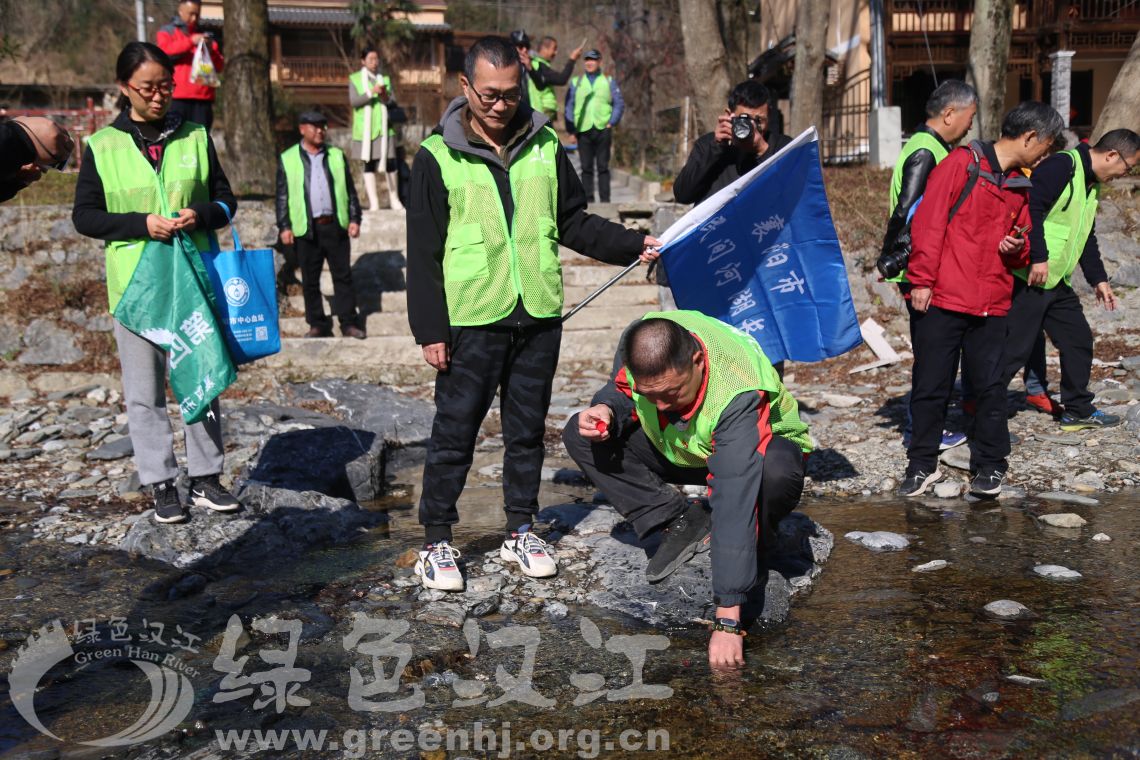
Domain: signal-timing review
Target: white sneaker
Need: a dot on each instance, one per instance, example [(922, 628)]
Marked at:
[(437, 567), (531, 553)]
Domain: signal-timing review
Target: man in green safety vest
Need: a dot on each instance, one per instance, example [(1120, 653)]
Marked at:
[(493, 197), (694, 401), (1062, 212), (543, 78), (594, 106), (318, 211)]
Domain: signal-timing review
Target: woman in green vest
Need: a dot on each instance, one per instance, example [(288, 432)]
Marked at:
[(149, 160), (373, 133)]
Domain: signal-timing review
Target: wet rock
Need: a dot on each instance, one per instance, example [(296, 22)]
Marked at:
[(1102, 537), (926, 567), (448, 614), (408, 558), (555, 610), (957, 457), (1070, 498), (1007, 609), (948, 489), (401, 421), (1026, 680), (275, 523), (1099, 702), (115, 449), (1056, 572), (879, 540), (1089, 481), (340, 461), (1063, 520), (485, 584), (485, 607), (48, 344)]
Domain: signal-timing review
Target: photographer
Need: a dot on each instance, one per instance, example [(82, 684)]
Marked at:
[(740, 143)]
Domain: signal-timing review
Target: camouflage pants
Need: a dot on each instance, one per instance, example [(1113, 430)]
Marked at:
[(519, 363)]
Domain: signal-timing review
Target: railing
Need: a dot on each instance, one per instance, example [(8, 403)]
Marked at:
[(80, 122), (1046, 12), (941, 16), (844, 133), (317, 70)]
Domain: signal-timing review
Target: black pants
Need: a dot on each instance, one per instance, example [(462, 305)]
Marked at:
[(1059, 312), (940, 336), (594, 148), (519, 363), (327, 242), (636, 478), (197, 111)]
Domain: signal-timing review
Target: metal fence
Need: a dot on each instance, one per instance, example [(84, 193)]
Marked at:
[(80, 122)]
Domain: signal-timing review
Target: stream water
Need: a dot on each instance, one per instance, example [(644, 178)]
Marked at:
[(877, 661)]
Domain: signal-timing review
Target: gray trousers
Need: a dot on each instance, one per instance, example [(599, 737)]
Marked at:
[(144, 392)]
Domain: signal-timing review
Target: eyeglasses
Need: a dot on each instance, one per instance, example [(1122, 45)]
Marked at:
[(147, 92), (1128, 167), (490, 99), (761, 122), (59, 163)]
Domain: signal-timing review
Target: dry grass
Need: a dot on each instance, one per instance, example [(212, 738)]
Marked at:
[(858, 196), (53, 189)]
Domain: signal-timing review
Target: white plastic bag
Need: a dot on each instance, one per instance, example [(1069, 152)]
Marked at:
[(202, 69)]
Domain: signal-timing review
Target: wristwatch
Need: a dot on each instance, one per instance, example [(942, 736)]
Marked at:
[(728, 625)]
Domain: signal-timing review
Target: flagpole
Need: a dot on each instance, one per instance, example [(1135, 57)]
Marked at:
[(601, 290)]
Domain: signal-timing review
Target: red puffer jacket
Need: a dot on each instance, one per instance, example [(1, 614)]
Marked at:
[(174, 39), (960, 261)]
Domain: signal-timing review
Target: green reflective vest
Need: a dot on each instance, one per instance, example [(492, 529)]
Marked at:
[(1068, 225), (918, 141), (131, 185), (593, 103), (542, 99), (295, 184), (735, 364), (488, 265), (357, 81)]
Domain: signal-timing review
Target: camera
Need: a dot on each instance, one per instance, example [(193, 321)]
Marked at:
[(893, 262), (742, 127)]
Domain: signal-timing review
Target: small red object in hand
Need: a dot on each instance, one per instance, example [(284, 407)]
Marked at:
[(601, 426)]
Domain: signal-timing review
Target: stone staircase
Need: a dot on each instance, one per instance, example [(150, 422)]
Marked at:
[(390, 355)]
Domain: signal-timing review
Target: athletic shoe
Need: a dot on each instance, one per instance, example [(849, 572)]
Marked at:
[(437, 567), (530, 552), (208, 492), (987, 482), (1071, 423), (167, 503), (1042, 403), (915, 482), (684, 536)]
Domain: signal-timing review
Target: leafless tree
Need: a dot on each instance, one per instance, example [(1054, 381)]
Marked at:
[(705, 59), (250, 147), (811, 54), (1122, 109), (990, 34)]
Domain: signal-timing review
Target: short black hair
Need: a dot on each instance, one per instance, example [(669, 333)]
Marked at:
[(497, 51), (546, 40), (654, 346), (750, 94), (1123, 141), (952, 92), (370, 49), (133, 55), (1033, 116)]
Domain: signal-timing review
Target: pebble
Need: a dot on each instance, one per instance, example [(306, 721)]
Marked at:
[(1057, 572), (1007, 608), (1063, 520), (841, 401), (1026, 680), (926, 567), (1071, 498), (1102, 537), (948, 489), (879, 540), (958, 458)]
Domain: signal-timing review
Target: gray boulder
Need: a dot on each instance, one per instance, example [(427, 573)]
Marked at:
[(48, 344), (337, 461)]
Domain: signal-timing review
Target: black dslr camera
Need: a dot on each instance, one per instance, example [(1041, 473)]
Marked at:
[(742, 127), (892, 262)]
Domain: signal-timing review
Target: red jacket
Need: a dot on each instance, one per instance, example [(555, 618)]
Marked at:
[(960, 262), (174, 39)]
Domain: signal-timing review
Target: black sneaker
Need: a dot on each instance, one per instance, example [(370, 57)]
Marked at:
[(208, 492), (1071, 423), (987, 482), (684, 537), (167, 503), (915, 482)]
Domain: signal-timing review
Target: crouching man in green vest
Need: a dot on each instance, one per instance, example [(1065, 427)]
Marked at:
[(695, 401), (317, 210), (493, 195), (1062, 212)]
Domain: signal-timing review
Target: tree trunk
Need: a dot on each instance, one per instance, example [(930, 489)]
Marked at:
[(250, 149), (989, 59), (1122, 109), (807, 80), (705, 60)]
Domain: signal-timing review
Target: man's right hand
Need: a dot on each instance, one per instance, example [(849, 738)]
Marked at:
[(437, 355), (287, 237), (588, 421), (920, 299), (723, 132), (161, 228), (576, 53), (197, 37)]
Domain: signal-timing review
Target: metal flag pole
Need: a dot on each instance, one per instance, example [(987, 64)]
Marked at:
[(601, 290)]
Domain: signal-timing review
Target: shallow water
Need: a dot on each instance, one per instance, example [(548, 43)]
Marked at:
[(877, 661)]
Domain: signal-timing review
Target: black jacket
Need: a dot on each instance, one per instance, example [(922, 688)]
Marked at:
[(545, 75), (428, 216), (1050, 180), (713, 166), (90, 215), (282, 204), (915, 172), (16, 150)]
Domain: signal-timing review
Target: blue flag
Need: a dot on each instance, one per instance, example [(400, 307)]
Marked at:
[(763, 256)]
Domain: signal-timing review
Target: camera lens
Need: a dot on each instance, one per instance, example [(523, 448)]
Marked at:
[(742, 126)]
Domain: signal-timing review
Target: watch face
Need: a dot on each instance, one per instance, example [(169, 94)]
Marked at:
[(729, 622)]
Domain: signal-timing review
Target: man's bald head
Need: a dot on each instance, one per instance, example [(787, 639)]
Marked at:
[(655, 346)]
